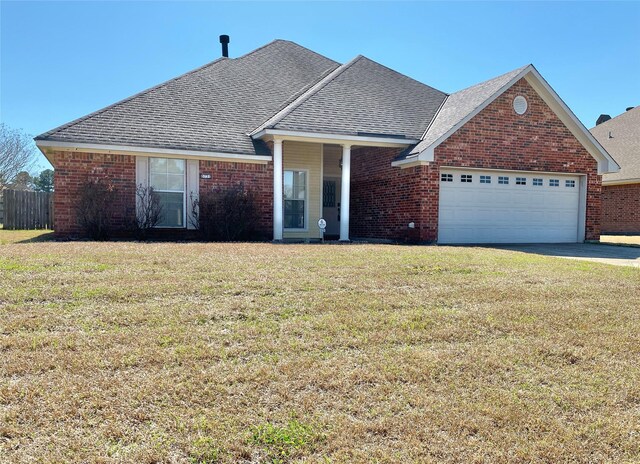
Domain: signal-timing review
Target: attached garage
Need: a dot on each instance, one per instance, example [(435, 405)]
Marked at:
[(478, 206)]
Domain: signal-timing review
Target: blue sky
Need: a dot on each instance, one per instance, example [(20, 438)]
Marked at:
[(62, 60)]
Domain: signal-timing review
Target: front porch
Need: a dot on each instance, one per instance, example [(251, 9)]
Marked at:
[(314, 184), (312, 180)]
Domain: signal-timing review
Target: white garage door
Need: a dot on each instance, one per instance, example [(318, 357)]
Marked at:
[(507, 207)]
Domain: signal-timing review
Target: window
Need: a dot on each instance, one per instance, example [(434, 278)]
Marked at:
[(537, 182), (570, 183), (167, 177), (503, 180), (446, 177), (485, 179), (554, 183), (521, 181), (466, 178), (295, 199)]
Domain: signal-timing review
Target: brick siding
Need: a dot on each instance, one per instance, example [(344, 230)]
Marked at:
[(496, 138), (258, 177), (384, 199), (621, 209), (73, 169)]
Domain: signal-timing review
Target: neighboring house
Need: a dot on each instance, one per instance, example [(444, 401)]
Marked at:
[(620, 136), (376, 153)]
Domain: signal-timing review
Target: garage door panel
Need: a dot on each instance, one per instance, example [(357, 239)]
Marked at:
[(474, 212)]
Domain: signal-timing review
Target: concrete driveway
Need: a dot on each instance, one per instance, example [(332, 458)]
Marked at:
[(608, 254)]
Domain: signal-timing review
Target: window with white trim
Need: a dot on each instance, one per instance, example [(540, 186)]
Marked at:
[(167, 177), (446, 177), (295, 199), (570, 183), (521, 181), (554, 183), (466, 178), (504, 180), (537, 182), (485, 179)]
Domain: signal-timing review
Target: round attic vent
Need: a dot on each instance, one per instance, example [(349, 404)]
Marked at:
[(520, 104)]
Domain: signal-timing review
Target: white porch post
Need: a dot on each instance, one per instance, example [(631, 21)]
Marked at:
[(344, 193), (277, 190)]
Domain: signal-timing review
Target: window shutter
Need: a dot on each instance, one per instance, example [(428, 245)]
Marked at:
[(193, 189), (142, 177)]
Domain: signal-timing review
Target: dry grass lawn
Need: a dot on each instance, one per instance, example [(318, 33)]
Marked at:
[(205, 353), (626, 239)]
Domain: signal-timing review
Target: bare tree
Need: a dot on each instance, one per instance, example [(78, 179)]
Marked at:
[(16, 154)]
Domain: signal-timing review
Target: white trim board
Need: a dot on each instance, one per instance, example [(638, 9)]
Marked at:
[(337, 139), (46, 147), (528, 171), (606, 183)]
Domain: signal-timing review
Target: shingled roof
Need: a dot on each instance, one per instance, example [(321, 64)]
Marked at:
[(210, 109), (362, 97), (217, 108), (620, 136)]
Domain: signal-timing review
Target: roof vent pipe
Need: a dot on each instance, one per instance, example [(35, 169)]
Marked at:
[(224, 40)]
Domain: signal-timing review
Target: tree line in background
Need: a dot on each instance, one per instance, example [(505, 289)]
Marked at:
[(17, 159)]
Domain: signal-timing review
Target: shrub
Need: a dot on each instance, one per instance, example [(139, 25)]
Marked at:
[(148, 211), (226, 214), (95, 207)]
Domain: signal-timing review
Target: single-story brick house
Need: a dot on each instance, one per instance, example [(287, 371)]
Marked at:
[(375, 153), (620, 136)]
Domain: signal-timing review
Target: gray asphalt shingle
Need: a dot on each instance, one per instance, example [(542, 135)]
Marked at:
[(211, 108), (620, 136), (282, 86), (364, 97)]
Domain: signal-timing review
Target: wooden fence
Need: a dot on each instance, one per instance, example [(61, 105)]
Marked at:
[(27, 210)]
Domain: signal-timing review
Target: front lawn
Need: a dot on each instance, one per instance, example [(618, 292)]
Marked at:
[(202, 353)]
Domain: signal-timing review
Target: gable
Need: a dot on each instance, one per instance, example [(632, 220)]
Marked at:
[(424, 151), (498, 137), (363, 97)]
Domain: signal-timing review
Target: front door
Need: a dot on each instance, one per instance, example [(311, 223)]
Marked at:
[(331, 205)]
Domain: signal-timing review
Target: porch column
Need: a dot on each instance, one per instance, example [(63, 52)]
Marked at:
[(277, 190), (344, 193)]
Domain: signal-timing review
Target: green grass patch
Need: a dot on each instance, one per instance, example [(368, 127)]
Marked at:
[(281, 443)]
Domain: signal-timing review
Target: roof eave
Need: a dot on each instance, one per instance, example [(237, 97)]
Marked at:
[(606, 183), (47, 147), (343, 139)]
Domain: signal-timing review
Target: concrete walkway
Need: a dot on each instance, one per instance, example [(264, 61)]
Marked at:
[(608, 254)]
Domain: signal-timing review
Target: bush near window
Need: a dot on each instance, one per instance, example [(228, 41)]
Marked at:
[(226, 214), (148, 211), (95, 207)]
